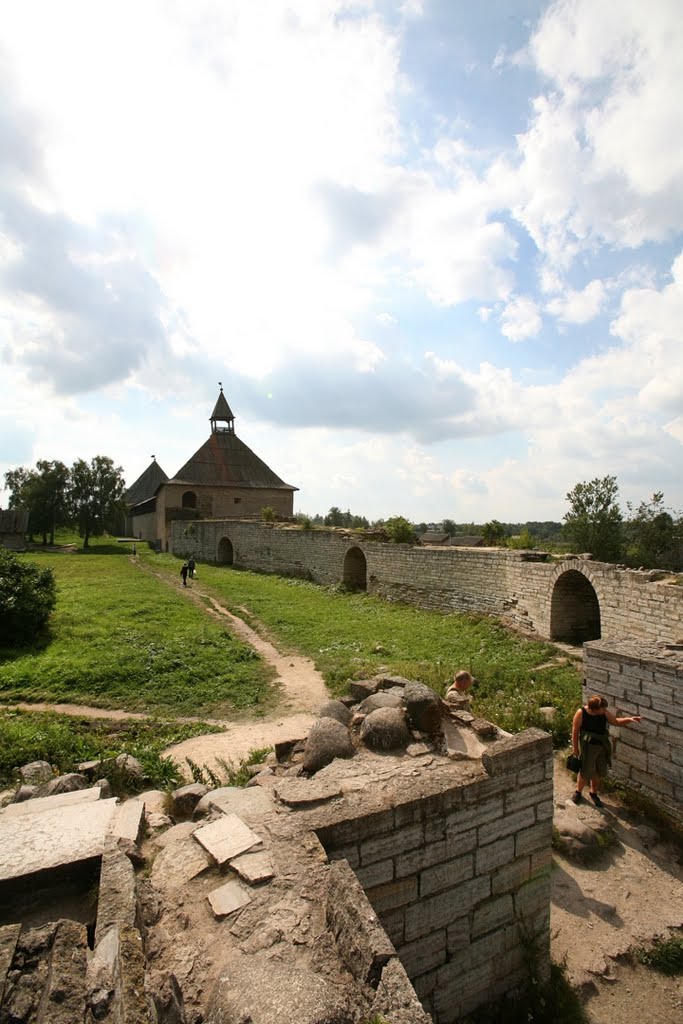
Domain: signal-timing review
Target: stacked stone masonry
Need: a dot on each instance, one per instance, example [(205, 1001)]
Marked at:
[(460, 879), (573, 600), (643, 679)]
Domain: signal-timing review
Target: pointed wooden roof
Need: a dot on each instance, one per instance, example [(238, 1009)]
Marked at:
[(225, 461), (146, 485), (221, 410)]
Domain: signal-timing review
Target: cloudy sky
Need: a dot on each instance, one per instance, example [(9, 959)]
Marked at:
[(432, 249)]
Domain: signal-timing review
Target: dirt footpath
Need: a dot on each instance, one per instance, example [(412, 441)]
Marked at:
[(632, 894)]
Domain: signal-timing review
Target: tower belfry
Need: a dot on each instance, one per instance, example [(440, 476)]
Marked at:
[(222, 413)]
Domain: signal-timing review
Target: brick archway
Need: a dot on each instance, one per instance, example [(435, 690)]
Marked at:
[(225, 554), (355, 575), (574, 609)]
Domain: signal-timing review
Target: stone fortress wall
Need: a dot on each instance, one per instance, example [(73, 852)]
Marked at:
[(573, 600), (630, 621), (460, 878), (643, 679)]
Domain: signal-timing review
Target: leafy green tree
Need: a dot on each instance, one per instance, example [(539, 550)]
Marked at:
[(448, 526), (493, 533), (27, 596), (43, 491), (399, 530), (524, 541), (654, 536), (22, 485), (335, 517), (95, 496), (594, 520), (51, 494)]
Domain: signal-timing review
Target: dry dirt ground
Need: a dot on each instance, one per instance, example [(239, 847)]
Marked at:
[(631, 895)]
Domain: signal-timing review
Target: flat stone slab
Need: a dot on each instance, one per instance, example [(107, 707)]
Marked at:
[(47, 803), (235, 800), (175, 833), (178, 863), (129, 822), (60, 835), (254, 867), (228, 898), (298, 792), (226, 838)]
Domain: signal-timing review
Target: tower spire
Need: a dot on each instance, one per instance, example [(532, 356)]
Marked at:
[(222, 413)]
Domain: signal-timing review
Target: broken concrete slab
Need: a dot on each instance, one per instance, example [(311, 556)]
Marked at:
[(226, 838), (46, 803), (298, 792), (228, 898), (57, 836), (178, 863), (235, 800), (254, 867)]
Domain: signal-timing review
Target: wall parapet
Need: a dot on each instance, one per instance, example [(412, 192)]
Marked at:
[(458, 873), (525, 589)]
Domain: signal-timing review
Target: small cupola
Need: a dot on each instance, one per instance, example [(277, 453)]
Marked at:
[(222, 413)]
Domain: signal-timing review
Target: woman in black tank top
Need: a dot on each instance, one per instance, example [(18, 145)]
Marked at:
[(590, 742)]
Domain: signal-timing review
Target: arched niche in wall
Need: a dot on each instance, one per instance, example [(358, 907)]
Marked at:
[(189, 500), (355, 570), (225, 554), (574, 609)]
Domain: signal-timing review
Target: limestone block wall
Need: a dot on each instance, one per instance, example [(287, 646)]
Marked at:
[(643, 679), (574, 600), (460, 879)]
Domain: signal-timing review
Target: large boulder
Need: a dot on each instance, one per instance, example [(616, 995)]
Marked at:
[(68, 783), (335, 709), (385, 729), (35, 773), (186, 799), (422, 707), (362, 688), (327, 740), (381, 699)]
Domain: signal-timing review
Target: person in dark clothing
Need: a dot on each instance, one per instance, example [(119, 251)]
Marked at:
[(190, 566), (590, 742), (183, 572)]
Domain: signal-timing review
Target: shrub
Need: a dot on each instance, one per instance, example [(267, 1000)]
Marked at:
[(666, 956), (27, 596), (268, 514), (399, 530)]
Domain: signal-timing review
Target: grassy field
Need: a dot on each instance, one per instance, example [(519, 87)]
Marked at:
[(354, 635), (64, 741), (121, 639)]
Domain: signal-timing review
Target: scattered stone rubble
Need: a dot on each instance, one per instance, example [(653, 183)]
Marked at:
[(221, 905)]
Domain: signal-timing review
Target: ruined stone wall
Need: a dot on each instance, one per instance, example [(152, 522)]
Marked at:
[(645, 680), (460, 878), (524, 588)]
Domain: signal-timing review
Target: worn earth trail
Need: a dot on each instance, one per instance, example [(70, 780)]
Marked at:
[(630, 896)]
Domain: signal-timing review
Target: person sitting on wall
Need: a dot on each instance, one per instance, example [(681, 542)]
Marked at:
[(591, 743), (457, 691)]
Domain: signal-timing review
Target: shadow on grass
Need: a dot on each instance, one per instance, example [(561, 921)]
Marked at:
[(37, 645)]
